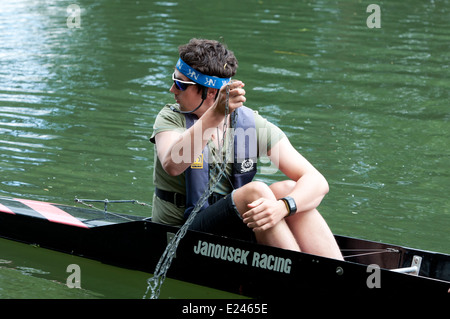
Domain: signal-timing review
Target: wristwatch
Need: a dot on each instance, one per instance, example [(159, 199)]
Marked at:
[(290, 205)]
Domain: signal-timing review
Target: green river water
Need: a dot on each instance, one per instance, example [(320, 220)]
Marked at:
[(369, 107)]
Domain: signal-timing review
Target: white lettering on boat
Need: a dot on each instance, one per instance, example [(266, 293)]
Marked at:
[(239, 256), (272, 262)]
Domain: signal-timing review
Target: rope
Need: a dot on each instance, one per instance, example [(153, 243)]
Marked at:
[(370, 251), (155, 283), (106, 202)]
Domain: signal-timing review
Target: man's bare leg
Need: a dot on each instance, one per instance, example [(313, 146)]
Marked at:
[(309, 228), (279, 235)]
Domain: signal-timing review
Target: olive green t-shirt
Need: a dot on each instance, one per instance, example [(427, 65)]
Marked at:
[(267, 134)]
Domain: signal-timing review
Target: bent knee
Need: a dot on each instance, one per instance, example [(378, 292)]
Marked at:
[(249, 193), (259, 189), (283, 188), (252, 191)]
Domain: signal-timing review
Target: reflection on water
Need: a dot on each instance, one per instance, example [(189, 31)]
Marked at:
[(368, 107)]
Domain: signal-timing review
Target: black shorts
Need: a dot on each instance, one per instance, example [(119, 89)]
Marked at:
[(222, 218)]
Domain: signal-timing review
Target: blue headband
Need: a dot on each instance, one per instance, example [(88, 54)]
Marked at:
[(200, 78)]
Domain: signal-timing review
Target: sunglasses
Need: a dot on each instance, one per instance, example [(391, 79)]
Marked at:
[(181, 85)]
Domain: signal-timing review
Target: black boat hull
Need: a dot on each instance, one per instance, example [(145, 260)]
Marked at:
[(227, 264)]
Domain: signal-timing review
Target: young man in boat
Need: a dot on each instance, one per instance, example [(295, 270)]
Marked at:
[(187, 136)]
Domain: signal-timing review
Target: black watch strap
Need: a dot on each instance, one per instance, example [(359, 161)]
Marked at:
[(290, 205)]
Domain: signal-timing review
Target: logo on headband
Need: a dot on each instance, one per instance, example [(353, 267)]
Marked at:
[(192, 75), (200, 78)]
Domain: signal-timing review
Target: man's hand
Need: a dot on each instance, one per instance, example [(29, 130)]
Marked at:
[(236, 97), (264, 213)]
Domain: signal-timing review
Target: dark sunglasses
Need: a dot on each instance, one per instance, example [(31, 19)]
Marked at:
[(181, 85)]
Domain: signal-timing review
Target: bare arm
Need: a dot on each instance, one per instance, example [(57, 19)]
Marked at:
[(309, 190), (311, 186), (177, 151)]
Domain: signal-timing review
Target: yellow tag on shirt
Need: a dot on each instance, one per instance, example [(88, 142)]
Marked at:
[(198, 163)]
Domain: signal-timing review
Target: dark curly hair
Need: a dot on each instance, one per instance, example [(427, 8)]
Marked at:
[(209, 57)]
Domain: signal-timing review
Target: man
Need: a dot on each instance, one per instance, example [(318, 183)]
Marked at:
[(189, 134)]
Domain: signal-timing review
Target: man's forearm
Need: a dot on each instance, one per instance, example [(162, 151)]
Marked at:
[(190, 144)]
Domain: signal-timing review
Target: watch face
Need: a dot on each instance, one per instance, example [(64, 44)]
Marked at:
[(291, 203)]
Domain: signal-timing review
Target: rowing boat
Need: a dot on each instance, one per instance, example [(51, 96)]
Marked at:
[(223, 263)]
